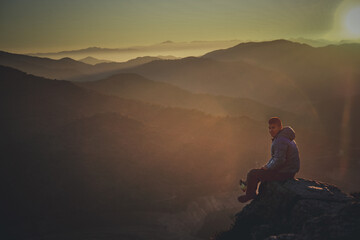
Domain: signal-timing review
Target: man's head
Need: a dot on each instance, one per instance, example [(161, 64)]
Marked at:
[(275, 125)]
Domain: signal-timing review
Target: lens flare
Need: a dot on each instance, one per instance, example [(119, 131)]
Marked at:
[(352, 21)]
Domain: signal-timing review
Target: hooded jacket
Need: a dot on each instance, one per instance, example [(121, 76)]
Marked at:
[(284, 152)]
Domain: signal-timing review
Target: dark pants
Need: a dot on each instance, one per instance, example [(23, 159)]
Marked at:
[(254, 176)]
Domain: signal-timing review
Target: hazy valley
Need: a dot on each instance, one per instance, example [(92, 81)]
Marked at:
[(158, 145)]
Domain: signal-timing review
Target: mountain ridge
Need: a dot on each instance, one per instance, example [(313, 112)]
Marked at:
[(135, 86)]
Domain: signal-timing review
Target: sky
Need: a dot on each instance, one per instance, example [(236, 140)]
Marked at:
[(50, 25)]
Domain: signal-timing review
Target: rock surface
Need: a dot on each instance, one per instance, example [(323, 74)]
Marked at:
[(297, 209)]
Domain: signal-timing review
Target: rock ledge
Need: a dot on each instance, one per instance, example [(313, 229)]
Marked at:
[(297, 209)]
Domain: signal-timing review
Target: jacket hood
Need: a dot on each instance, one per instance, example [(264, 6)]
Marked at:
[(287, 132)]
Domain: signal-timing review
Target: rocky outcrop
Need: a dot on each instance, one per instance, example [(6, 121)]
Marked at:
[(297, 209)]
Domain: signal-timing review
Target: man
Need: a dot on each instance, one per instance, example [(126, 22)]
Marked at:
[(284, 162)]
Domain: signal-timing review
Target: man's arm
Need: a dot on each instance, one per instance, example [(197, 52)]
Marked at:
[(279, 157)]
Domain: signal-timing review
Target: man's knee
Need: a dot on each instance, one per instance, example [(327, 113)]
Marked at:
[(253, 172)]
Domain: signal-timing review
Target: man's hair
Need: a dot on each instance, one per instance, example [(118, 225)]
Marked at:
[(275, 120)]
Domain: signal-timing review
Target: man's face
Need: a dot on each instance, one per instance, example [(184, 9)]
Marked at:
[(274, 129)]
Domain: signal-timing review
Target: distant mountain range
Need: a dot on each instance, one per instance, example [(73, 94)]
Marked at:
[(290, 75), (178, 49), (92, 60), (322, 42), (317, 72), (66, 68), (134, 86), (166, 48), (297, 74)]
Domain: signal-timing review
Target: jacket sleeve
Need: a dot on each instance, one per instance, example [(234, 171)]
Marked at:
[(279, 155)]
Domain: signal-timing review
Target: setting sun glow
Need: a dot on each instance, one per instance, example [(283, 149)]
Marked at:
[(352, 21)]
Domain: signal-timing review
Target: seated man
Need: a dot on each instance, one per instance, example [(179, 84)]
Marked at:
[(284, 162)]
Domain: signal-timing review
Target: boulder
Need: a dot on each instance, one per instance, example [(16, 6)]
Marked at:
[(297, 209)]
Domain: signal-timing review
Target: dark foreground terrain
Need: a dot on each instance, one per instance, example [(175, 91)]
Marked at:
[(297, 209)]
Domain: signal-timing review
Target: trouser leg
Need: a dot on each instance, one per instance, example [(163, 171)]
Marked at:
[(254, 176)]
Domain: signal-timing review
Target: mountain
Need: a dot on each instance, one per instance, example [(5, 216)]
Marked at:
[(287, 53), (297, 209), (178, 49), (75, 157), (297, 74), (59, 69), (92, 60), (276, 50), (87, 51), (237, 79), (102, 70), (317, 72), (66, 68), (134, 86), (322, 42)]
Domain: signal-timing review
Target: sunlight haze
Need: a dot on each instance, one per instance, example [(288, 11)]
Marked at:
[(51, 26)]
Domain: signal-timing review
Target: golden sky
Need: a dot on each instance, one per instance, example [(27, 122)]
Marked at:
[(50, 25)]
